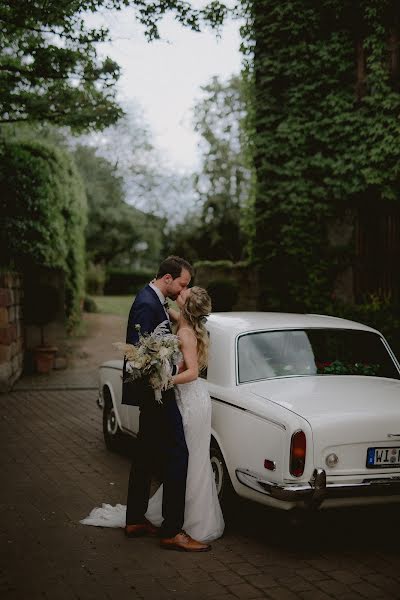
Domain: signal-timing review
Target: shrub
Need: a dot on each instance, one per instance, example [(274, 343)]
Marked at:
[(43, 204), (126, 281), (89, 305), (223, 293), (378, 312), (95, 279)]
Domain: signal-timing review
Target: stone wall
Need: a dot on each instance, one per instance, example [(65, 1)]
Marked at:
[(244, 275), (36, 281), (11, 331)]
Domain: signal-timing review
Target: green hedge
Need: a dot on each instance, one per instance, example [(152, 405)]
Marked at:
[(43, 204), (126, 281), (95, 279), (377, 312), (221, 264), (223, 293)]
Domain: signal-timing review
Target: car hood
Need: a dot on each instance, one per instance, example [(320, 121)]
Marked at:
[(316, 397)]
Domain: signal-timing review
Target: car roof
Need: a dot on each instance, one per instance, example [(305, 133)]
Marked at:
[(240, 322)]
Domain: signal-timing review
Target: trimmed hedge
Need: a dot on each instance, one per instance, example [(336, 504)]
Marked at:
[(95, 279), (232, 286), (126, 281), (43, 205), (375, 311), (89, 305), (223, 293)]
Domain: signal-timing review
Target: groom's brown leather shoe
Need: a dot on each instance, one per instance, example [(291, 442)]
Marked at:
[(140, 529), (183, 542)]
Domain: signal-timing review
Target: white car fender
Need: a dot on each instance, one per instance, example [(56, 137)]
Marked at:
[(108, 384), (216, 437)]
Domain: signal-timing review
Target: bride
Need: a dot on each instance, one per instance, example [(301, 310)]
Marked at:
[(203, 515)]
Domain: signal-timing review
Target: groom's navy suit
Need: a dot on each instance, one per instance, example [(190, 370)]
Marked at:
[(161, 447)]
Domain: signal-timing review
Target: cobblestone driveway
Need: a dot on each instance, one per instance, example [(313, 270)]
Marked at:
[(55, 469)]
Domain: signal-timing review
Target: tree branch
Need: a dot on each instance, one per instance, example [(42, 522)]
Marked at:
[(32, 76), (67, 36)]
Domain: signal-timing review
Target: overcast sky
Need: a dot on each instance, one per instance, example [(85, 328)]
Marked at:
[(164, 77)]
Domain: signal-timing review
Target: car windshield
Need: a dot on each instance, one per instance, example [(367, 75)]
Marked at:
[(267, 354)]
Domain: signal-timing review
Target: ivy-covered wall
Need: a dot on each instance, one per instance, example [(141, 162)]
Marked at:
[(43, 205), (327, 142)]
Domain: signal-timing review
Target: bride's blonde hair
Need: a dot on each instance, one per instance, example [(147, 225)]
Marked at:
[(195, 310)]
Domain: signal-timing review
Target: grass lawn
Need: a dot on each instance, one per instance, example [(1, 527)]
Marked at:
[(114, 305), (119, 305)]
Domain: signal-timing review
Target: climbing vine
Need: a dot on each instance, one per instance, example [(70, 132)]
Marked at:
[(326, 114), (43, 205)]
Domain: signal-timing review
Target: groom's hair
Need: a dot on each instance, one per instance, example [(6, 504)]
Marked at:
[(174, 265)]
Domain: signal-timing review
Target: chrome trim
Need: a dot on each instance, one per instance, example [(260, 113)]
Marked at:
[(229, 403), (250, 412), (315, 491), (392, 354)]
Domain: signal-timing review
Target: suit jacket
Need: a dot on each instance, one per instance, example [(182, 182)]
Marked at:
[(148, 312)]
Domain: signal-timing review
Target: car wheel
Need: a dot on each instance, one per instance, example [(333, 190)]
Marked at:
[(111, 431), (225, 490)]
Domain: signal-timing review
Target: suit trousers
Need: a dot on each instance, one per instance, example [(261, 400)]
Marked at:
[(162, 451)]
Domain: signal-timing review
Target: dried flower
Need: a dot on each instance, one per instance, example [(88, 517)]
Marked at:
[(152, 357)]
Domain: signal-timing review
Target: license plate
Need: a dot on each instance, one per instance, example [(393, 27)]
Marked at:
[(378, 458)]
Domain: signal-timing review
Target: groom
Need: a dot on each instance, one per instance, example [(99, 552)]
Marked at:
[(161, 445)]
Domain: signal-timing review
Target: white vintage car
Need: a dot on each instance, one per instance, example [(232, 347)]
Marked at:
[(306, 410)]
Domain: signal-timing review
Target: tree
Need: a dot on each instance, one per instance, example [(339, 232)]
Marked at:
[(113, 227), (149, 184), (49, 69), (223, 186)]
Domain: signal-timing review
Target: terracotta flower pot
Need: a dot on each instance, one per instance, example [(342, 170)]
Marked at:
[(44, 358)]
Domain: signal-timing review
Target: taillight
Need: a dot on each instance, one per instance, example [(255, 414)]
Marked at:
[(298, 453)]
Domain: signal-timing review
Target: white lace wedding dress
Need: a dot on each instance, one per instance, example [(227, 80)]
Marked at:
[(203, 515)]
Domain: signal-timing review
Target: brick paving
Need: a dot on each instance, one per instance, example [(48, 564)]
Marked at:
[(54, 469)]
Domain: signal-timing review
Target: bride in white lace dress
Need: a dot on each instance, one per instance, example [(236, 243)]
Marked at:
[(203, 516)]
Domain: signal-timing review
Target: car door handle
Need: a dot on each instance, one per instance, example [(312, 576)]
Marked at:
[(390, 435)]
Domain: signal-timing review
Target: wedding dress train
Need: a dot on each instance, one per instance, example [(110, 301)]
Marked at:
[(203, 516)]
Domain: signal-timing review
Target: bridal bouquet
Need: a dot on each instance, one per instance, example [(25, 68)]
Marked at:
[(153, 357)]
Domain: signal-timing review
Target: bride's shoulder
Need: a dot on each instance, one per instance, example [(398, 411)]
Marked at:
[(186, 333)]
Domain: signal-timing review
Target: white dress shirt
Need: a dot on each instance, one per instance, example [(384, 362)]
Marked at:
[(161, 297)]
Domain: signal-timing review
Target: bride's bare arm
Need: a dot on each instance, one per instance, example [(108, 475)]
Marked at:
[(174, 314), (189, 351)]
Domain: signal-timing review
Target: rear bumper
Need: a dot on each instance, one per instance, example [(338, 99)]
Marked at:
[(317, 489)]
